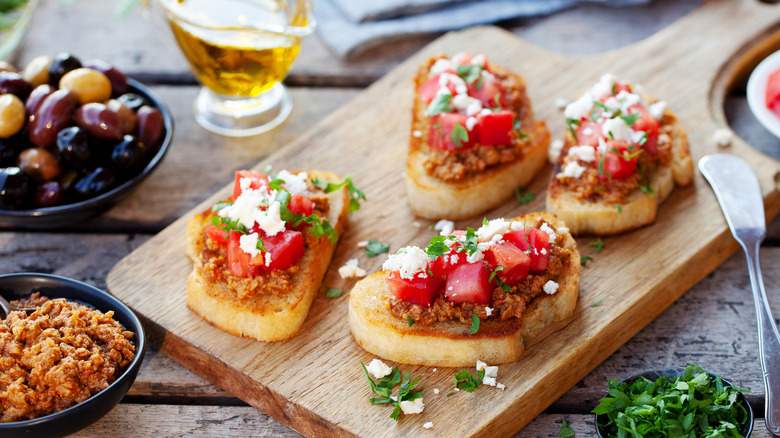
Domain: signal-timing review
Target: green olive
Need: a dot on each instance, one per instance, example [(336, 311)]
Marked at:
[(87, 85), (12, 115), (37, 71)]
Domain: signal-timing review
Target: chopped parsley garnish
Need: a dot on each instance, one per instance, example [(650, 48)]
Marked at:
[(595, 114), (220, 205), (474, 324), (437, 247), (470, 73), (275, 184), (619, 208), (566, 431), (355, 195), (268, 168), (596, 304), (497, 101), (410, 320), (647, 190), (571, 123), (523, 196), (227, 225), (459, 135), (470, 242), (584, 259), (384, 389), (694, 404), (332, 292), (495, 271), (597, 245), (375, 248), (440, 104), (630, 119), (468, 382)]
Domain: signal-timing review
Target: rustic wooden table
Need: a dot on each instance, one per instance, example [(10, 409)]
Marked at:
[(713, 325)]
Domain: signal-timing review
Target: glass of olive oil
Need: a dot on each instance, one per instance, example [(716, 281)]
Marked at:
[(240, 50)]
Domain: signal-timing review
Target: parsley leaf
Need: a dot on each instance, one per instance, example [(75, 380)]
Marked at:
[(523, 196), (470, 242), (566, 431), (459, 135), (630, 118), (571, 123), (468, 382), (596, 304), (268, 168), (384, 389), (437, 247), (410, 320), (495, 271), (474, 324), (355, 195), (226, 225), (584, 259), (597, 245), (470, 73), (619, 208), (440, 104), (332, 292), (375, 248), (220, 205)]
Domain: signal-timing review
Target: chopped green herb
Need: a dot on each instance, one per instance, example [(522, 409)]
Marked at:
[(410, 320), (459, 135), (495, 271), (468, 382), (566, 431), (355, 195), (226, 225), (497, 101), (470, 242), (596, 304), (470, 73), (437, 247), (595, 114), (523, 196), (584, 259), (275, 184), (619, 208), (384, 389), (692, 405), (647, 190), (630, 119), (597, 245), (474, 324), (332, 292), (571, 123), (485, 221), (440, 104), (375, 248), (220, 205), (268, 168), (480, 82)]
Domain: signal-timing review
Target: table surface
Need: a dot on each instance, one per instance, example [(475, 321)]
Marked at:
[(713, 325)]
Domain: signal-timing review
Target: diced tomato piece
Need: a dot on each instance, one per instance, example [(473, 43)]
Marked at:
[(217, 234), (490, 92), (239, 261), (286, 248), (494, 128), (443, 265), (773, 92), (535, 242), (259, 179), (622, 86), (420, 291), (300, 204), (588, 133), (647, 123), (515, 261), (462, 58), (429, 89), (441, 133), (468, 283), (615, 165)]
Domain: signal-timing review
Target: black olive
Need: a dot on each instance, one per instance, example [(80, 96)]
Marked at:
[(14, 187), (48, 194), (128, 154), (73, 145), (15, 84), (132, 101), (94, 183), (10, 148), (61, 64)]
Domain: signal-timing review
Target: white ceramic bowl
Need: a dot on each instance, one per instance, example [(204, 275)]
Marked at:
[(756, 93)]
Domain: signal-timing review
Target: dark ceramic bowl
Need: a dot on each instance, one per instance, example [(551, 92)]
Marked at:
[(68, 214), (14, 286), (746, 430)]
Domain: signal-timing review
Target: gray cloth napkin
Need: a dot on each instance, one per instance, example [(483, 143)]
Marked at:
[(351, 27)]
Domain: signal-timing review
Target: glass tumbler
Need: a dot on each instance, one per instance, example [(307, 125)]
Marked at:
[(240, 50)]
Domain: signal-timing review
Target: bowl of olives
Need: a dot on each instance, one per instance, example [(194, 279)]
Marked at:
[(74, 138)]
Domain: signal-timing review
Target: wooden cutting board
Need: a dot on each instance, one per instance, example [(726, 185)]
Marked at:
[(314, 382)]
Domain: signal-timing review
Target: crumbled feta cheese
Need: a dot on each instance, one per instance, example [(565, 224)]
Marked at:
[(428, 425), (471, 122), (477, 256), (546, 228), (579, 108), (572, 170), (270, 220), (267, 258), (723, 137), (550, 287), (412, 407), (628, 99), (613, 104), (554, 151), (351, 269), (440, 66), (467, 104), (378, 369), (490, 371), (543, 251), (417, 133), (657, 109), (491, 381), (617, 129), (248, 244), (478, 60), (245, 183), (561, 103), (584, 153), (495, 227), (408, 263), (587, 131), (488, 311), (435, 369), (436, 391), (416, 224), (445, 227), (460, 84), (246, 209), (294, 183), (485, 112), (602, 147), (563, 230), (603, 87), (500, 386), (362, 244), (638, 136)]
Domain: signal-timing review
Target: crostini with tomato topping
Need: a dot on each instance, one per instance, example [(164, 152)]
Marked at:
[(623, 153), (259, 257), (470, 295), (473, 139)]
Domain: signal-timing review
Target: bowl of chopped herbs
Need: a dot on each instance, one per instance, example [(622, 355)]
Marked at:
[(678, 402)]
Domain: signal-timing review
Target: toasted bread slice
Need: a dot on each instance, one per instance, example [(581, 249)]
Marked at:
[(638, 208), (265, 317), (434, 198), (449, 344)]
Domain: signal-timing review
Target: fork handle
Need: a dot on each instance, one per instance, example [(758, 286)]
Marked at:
[(768, 340)]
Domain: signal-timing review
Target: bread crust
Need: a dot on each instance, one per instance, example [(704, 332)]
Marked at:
[(263, 317), (432, 198), (449, 344), (638, 209)]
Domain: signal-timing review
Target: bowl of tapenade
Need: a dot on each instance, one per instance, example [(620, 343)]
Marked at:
[(68, 360), (673, 402)]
